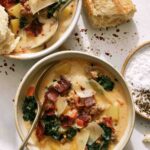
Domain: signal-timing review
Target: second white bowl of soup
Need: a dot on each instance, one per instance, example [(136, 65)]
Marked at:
[(38, 27), (87, 104)]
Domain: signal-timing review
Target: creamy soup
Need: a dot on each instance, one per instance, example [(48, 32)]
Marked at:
[(40, 30), (84, 108)]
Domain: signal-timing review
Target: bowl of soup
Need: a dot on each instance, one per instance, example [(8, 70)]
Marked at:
[(36, 28), (86, 104)]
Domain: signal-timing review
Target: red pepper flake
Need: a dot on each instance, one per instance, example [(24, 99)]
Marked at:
[(117, 30), (78, 40), (107, 28), (11, 68), (115, 35), (108, 54), (5, 64), (84, 30), (99, 37), (6, 72), (76, 34)]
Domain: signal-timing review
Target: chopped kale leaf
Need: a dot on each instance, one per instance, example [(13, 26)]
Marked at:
[(105, 82), (23, 22), (51, 125), (29, 108), (71, 132), (106, 137), (94, 146)]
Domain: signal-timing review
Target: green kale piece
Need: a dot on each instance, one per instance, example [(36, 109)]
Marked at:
[(106, 137), (71, 132), (105, 82), (23, 22), (105, 141), (29, 108), (51, 125), (94, 146)]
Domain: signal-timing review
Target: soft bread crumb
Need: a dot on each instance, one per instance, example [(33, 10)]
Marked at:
[(104, 13), (146, 138)]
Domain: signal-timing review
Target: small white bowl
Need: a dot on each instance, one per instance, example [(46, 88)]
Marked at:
[(64, 55), (57, 44)]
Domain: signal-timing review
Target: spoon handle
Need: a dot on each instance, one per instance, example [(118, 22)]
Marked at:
[(39, 105), (23, 145)]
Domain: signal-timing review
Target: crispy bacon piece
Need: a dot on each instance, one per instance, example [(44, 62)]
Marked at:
[(85, 102), (108, 121), (7, 3), (25, 10), (63, 85), (49, 109), (79, 103), (51, 94), (66, 121), (39, 131), (85, 118), (89, 101), (35, 28)]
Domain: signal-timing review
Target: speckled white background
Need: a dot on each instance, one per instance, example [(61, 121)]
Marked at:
[(109, 47)]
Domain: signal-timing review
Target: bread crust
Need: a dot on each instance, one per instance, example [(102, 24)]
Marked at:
[(104, 13)]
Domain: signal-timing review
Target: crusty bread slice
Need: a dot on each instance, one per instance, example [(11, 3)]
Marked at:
[(109, 13)]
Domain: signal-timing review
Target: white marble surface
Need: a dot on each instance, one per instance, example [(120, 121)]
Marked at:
[(130, 35)]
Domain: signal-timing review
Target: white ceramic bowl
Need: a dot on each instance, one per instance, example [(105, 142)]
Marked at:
[(64, 55), (57, 44)]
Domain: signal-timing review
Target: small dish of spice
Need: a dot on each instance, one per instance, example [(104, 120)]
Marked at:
[(136, 70)]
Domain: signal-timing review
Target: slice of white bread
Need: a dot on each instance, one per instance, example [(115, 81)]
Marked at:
[(109, 13)]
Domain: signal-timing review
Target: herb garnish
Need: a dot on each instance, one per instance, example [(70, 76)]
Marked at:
[(29, 108), (105, 82), (71, 132)]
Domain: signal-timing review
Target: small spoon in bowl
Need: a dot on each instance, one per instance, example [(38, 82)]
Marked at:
[(39, 106)]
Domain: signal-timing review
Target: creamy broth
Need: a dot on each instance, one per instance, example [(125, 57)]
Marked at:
[(64, 22), (78, 75)]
